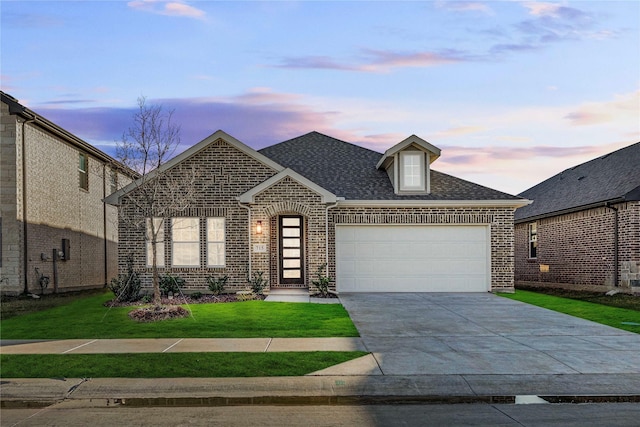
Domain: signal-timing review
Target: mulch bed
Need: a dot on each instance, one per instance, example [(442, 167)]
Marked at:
[(157, 313), (186, 299)]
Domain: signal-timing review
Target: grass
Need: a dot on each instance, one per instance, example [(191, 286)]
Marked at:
[(621, 318), (11, 306), (88, 318), (169, 365)]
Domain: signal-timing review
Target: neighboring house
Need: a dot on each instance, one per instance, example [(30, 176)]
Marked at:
[(53, 223), (380, 222), (583, 229)]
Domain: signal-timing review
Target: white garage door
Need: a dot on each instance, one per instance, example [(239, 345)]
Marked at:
[(412, 258)]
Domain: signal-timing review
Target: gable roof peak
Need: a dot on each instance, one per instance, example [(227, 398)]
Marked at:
[(413, 140)]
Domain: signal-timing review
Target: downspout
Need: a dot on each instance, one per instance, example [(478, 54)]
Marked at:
[(248, 208), (25, 248), (104, 224), (616, 280)]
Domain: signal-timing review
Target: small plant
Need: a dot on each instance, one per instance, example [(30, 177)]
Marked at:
[(257, 282), (196, 295), (147, 299), (216, 285), (323, 281), (126, 287), (169, 283)]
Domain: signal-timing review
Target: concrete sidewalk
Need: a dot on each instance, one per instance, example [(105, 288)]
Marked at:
[(181, 345)]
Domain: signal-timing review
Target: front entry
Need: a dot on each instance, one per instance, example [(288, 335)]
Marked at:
[(291, 244)]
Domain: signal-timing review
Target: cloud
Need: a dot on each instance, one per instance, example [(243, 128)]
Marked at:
[(167, 8), (465, 6), (377, 61), (621, 107), (458, 131)]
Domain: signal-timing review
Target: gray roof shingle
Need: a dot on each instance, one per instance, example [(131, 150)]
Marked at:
[(349, 171), (614, 176)]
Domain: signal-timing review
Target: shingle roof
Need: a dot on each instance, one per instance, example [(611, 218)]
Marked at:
[(612, 177), (349, 171)]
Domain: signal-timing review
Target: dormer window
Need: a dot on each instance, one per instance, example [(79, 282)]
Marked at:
[(408, 165), (412, 171)]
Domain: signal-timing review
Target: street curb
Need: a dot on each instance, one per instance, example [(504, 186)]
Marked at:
[(217, 401)]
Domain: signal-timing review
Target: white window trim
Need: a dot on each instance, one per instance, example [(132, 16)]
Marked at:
[(223, 241), (159, 244), (401, 172), (174, 241)]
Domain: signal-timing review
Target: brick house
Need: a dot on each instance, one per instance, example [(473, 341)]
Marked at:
[(583, 228), (53, 223), (379, 222)]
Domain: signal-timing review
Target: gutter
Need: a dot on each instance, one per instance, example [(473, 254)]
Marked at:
[(572, 210)]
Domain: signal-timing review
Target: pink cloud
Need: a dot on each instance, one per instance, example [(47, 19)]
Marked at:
[(168, 8)]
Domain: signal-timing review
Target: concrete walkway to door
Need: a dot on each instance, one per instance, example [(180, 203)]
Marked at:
[(484, 334)]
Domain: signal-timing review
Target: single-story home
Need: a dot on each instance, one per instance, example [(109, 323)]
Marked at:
[(379, 222), (583, 229)]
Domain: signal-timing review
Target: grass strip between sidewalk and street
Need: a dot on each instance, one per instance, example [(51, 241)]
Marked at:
[(170, 365), (89, 318), (621, 318)]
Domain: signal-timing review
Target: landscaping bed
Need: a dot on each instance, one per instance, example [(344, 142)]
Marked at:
[(619, 300)]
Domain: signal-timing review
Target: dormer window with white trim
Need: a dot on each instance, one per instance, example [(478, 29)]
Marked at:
[(412, 171), (408, 165)]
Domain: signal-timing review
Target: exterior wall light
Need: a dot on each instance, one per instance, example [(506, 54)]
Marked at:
[(259, 227)]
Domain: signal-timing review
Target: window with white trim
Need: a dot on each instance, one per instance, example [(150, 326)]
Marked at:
[(83, 171), (185, 239), (158, 229), (215, 242), (412, 171), (533, 240)]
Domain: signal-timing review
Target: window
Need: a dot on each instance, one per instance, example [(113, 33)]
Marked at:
[(83, 171), (533, 240), (158, 227), (215, 242), (412, 171), (185, 236)]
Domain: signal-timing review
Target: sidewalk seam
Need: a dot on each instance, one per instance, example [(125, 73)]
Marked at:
[(173, 345), (268, 345), (80, 346)]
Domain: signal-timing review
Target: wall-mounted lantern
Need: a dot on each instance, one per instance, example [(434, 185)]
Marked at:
[(259, 227)]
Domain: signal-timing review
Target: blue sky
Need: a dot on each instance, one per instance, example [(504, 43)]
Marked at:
[(513, 92)]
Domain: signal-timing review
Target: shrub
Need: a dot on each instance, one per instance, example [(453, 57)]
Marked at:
[(196, 295), (257, 282), (216, 286), (126, 287), (323, 281), (169, 283)]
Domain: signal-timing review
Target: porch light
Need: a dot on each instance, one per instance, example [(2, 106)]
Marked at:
[(259, 227)]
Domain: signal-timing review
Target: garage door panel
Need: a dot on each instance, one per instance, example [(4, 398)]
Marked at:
[(412, 258)]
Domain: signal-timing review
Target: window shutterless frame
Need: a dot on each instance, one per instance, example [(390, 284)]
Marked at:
[(533, 240)]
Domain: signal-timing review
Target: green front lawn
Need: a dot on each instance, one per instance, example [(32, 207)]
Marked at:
[(169, 365), (621, 318), (89, 318)]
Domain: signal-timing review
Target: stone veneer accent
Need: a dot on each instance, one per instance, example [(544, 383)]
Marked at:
[(579, 249)]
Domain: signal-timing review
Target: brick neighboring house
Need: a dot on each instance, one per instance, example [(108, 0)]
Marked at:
[(583, 229), (53, 222), (380, 222)]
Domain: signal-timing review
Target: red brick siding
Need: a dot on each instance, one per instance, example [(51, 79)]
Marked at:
[(579, 248)]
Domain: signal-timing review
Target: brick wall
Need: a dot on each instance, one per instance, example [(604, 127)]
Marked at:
[(224, 173), (579, 248), (56, 208), (500, 221)]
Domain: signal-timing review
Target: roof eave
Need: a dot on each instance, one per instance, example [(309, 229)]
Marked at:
[(518, 203), (599, 204)]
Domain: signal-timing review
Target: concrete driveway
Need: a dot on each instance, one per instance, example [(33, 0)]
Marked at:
[(483, 334)]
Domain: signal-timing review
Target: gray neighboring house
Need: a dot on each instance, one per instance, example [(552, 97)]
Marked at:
[(380, 222), (583, 229), (54, 225)]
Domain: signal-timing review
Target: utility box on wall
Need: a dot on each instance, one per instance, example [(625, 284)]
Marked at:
[(66, 250)]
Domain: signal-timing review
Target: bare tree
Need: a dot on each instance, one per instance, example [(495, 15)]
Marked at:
[(161, 192)]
